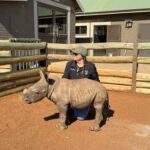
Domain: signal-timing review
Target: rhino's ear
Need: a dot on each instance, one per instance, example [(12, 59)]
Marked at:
[(25, 91), (41, 74)]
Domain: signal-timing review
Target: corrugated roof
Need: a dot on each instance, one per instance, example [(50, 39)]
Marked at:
[(92, 6)]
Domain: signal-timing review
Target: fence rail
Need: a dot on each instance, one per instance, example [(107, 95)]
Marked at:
[(99, 46), (122, 80), (95, 59), (21, 46), (129, 80)]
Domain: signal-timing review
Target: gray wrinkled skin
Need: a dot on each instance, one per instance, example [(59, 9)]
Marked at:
[(78, 93)]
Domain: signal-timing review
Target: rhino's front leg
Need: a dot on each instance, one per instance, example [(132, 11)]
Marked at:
[(62, 116), (98, 117)]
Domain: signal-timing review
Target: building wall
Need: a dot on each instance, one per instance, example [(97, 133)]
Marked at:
[(120, 20), (127, 34), (16, 20)]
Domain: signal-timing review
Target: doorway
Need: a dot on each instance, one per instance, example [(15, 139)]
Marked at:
[(100, 36), (52, 25)]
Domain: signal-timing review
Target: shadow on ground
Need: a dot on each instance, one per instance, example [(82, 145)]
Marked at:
[(71, 118)]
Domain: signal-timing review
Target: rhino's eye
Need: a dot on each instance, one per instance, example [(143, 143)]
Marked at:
[(37, 92)]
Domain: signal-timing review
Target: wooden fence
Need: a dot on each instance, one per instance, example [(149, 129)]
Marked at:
[(16, 81), (122, 80)]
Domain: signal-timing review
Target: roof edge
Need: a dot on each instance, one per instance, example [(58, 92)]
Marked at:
[(81, 14), (80, 5)]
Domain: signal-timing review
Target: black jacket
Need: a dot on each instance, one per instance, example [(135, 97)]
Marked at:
[(72, 71)]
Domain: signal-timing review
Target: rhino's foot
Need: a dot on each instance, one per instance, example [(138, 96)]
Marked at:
[(61, 127), (94, 128)]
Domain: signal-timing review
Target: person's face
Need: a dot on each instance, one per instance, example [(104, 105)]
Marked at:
[(77, 57)]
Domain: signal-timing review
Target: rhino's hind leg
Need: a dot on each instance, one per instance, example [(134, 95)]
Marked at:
[(62, 116), (98, 116)]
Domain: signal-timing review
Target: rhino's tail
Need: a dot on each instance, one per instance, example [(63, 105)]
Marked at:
[(106, 108)]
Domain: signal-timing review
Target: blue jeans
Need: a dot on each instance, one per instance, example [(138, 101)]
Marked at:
[(81, 114)]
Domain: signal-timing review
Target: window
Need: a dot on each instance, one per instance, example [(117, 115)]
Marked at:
[(100, 33), (81, 29), (144, 36), (144, 32), (114, 33)]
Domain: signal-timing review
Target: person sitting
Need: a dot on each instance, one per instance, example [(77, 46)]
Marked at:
[(79, 68)]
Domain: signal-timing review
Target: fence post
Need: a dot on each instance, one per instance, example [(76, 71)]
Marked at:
[(134, 66)]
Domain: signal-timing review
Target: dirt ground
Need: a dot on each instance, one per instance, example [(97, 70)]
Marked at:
[(32, 127)]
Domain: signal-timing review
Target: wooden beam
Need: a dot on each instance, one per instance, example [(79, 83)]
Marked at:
[(21, 74), (108, 86), (101, 72), (95, 59), (144, 60), (114, 73), (55, 69), (18, 82), (144, 46), (5, 68), (109, 80), (100, 46), (4, 40), (143, 85), (114, 59), (143, 77), (22, 46), (14, 90), (14, 60), (115, 80), (143, 90), (53, 75), (117, 87), (5, 54)]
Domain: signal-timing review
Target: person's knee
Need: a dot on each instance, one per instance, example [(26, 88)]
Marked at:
[(81, 114), (81, 118)]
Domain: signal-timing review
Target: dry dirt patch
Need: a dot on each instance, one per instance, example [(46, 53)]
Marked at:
[(22, 126)]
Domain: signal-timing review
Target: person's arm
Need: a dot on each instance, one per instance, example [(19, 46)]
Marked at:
[(94, 73), (67, 71)]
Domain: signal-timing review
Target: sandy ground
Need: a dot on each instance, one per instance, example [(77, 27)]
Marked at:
[(32, 127)]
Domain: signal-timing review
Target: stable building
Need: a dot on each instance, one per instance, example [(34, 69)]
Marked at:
[(48, 20), (113, 21)]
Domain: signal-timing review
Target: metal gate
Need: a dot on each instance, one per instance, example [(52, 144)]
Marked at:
[(21, 53)]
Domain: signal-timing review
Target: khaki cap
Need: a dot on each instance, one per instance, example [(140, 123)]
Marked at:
[(80, 50)]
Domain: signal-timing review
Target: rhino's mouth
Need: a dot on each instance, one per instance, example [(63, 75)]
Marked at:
[(28, 101)]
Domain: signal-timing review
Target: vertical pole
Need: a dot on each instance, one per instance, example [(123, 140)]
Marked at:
[(134, 67), (54, 29), (54, 26), (68, 26), (35, 20)]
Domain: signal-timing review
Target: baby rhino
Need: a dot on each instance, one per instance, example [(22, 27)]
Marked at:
[(77, 93)]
